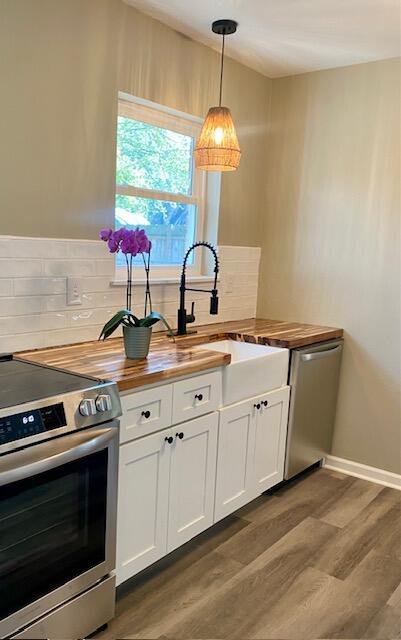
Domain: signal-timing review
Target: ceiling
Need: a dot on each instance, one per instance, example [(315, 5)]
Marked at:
[(285, 37)]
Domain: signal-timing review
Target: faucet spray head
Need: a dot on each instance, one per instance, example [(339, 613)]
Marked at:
[(214, 303)]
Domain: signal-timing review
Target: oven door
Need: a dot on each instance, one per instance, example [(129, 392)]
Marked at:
[(57, 522)]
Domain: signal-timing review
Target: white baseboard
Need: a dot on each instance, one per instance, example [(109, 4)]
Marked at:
[(351, 468)]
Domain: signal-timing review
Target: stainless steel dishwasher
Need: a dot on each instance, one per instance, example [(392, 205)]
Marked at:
[(313, 377)]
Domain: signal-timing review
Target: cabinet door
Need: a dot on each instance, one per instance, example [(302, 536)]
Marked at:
[(142, 503), (192, 479), (234, 478), (270, 440)]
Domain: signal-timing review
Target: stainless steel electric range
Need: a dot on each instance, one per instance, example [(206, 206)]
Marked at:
[(58, 495)]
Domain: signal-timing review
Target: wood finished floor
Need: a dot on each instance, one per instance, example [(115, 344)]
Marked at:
[(318, 559)]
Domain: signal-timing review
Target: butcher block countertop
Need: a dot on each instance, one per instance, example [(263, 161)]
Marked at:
[(168, 359)]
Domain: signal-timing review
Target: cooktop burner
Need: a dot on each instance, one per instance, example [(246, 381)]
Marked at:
[(22, 382)]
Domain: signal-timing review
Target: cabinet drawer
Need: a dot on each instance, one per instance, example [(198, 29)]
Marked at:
[(196, 396), (145, 412)]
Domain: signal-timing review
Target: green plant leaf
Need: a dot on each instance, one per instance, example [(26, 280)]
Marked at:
[(112, 325), (133, 321), (121, 317), (148, 322), (154, 317)]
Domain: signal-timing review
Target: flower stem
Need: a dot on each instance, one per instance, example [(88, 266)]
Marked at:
[(148, 283), (130, 283), (127, 287), (148, 297)]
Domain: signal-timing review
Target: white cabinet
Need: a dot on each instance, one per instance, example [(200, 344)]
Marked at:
[(165, 493), (150, 410), (251, 448), (196, 396), (175, 481), (235, 458), (270, 439), (145, 412), (144, 468), (192, 479)]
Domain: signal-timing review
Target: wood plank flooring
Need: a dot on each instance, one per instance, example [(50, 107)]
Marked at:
[(319, 559)]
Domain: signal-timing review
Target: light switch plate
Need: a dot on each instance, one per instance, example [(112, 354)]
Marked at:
[(74, 291)]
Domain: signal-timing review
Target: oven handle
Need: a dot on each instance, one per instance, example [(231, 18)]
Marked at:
[(54, 453)]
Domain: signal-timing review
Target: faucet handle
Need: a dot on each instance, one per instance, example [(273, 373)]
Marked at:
[(191, 316), (214, 304)]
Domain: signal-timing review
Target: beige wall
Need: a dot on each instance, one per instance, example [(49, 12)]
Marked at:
[(57, 113), (331, 239), (165, 66), (59, 80)]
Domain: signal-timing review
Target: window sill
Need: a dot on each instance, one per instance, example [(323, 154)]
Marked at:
[(167, 281)]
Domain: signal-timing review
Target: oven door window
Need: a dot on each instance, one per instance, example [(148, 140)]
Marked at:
[(52, 528)]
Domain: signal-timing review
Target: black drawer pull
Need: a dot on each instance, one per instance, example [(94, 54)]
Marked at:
[(199, 396), (265, 403), (179, 435), (257, 406), (146, 414), (169, 439)]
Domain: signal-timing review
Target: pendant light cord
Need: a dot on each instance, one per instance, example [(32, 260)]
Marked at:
[(221, 70)]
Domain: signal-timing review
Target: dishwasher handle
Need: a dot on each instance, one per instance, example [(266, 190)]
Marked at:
[(307, 357)]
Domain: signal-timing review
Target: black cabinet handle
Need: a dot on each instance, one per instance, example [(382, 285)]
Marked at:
[(146, 414), (199, 396), (265, 403), (257, 406), (179, 435), (169, 439)]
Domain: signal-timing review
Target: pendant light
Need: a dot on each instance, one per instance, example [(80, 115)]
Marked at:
[(217, 147)]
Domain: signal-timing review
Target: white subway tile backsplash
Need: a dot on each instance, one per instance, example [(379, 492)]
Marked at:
[(233, 302), (84, 249), (39, 286), (90, 316), (251, 254), (105, 267), (77, 268), (22, 306), (33, 273), (105, 299), (16, 268), (245, 267), (27, 324), (20, 342), (89, 301), (6, 287), (96, 284), (54, 303), (13, 247)]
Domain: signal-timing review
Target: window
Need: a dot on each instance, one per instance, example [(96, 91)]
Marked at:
[(158, 187)]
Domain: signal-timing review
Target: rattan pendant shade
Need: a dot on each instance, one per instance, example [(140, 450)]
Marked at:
[(217, 147)]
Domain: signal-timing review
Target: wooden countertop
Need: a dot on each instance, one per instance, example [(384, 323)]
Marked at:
[(276, 333), (166, 360), (106, 360)]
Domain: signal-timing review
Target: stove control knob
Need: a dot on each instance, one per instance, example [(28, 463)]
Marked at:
[(87, 407), (103, 403)]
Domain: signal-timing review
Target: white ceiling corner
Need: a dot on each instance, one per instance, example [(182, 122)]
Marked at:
[(285, 37)]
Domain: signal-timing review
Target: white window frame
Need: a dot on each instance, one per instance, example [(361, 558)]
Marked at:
[(146, 111)]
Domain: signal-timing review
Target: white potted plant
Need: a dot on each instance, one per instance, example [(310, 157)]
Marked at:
[(137, 331)]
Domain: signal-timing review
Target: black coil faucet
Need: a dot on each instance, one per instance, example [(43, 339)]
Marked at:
[(185, 318)]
